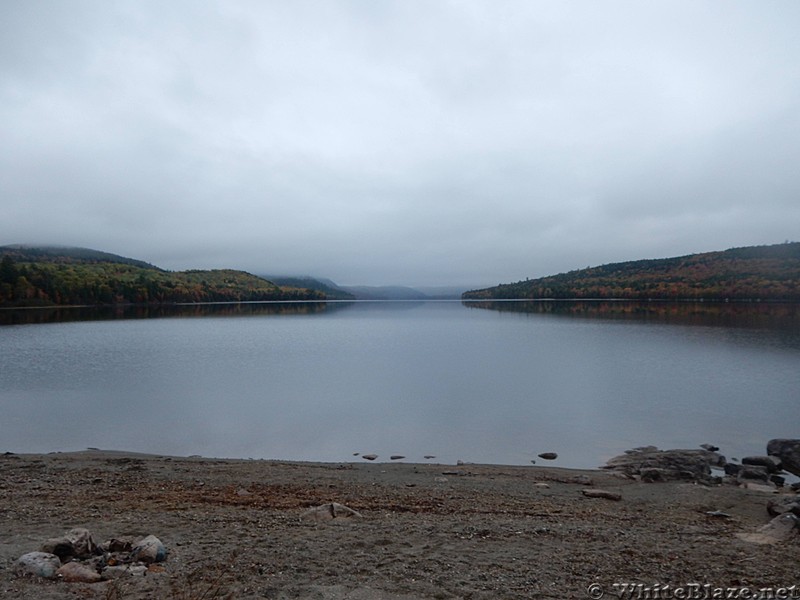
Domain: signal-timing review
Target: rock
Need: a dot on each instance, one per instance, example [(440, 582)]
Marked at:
[(718, 514), (778, 480), (369, 456), (61, 547), (595, 493), (40, 564), (771, 463), (428, 456), (673, 464), (117, 545), (541, 484), (784, 504), (117, 571), (149, 550), (548, 455), (788, 451), (780, 529), (331, 511), (753, 472), (732, 469), (82, 542), (396, 457), (582, 480), (710, 447), (77, 572), (653, 475)]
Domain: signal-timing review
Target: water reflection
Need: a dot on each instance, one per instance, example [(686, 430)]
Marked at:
[(109, 313), (718, 314)]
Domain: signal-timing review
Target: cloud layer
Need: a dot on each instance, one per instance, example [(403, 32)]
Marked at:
[(399, 142)]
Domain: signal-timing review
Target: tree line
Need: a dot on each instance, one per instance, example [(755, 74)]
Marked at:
[(751, 273), (103, 283)]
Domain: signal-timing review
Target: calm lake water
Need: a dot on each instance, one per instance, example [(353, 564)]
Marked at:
[(484, 382)]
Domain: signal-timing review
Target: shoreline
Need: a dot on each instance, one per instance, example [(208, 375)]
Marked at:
[(427, 530)]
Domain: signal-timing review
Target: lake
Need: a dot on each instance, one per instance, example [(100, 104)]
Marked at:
[(477, 382)]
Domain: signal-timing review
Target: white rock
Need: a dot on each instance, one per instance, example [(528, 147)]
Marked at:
[(40, 564), (149, 550)]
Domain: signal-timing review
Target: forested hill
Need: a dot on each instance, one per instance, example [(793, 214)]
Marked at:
[(46, 276), (750, 273)]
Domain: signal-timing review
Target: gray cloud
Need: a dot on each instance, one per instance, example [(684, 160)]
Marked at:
[(399, 142)]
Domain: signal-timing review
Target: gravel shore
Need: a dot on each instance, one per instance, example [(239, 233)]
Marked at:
[(235, 529)]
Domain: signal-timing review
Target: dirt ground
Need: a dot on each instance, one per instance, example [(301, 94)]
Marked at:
[(234, 529)]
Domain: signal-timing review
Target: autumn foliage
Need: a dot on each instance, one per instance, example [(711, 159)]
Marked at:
[(751, 273)]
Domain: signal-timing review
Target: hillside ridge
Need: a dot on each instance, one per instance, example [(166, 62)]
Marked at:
[(746, 273), (56, 276)]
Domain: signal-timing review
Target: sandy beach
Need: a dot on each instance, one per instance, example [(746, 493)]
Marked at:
[(236, 529)]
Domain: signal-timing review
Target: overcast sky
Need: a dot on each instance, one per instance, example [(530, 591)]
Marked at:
[(415, 142)]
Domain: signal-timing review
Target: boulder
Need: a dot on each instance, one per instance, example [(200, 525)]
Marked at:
[(370, 456), (40, 564), (149, 550), (780, 529), (778, 480), (77, 572), (788, 451), (667, 464), (784, 504), (771, 463), (754, 473), (548, 455), (732, 469)]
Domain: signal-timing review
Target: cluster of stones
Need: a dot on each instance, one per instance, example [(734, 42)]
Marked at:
[(762, 473), (650, 464), (75, 557)]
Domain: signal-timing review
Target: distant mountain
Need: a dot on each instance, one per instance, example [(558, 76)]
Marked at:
[(385, 292), (49, 275), (67, 254), (325, 286), (335, 291), (749, 273), (443, 292)]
